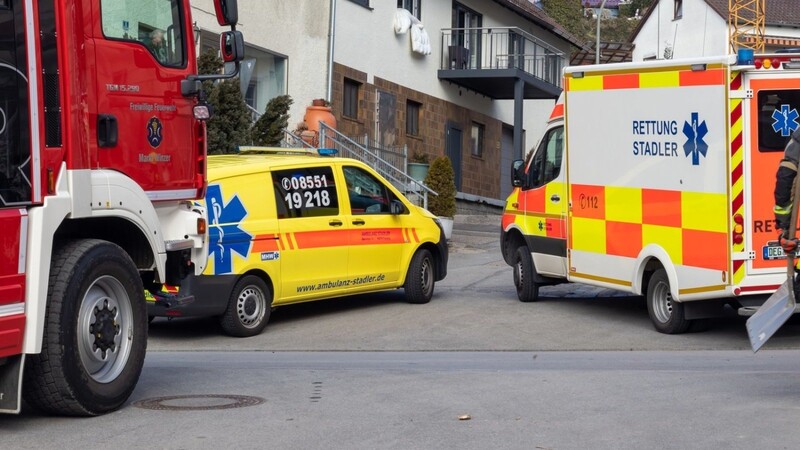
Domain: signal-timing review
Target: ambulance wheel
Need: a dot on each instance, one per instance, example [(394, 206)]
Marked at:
[(95, 336), (249, 308), (420, 278), (665, 313), (524, 273)]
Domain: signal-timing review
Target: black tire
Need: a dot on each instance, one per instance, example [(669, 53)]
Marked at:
[(665, 313), (524, 276), (95, 335), (249, 308), (420, 279)]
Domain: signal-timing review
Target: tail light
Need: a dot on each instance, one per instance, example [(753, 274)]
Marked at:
[(738, 229)]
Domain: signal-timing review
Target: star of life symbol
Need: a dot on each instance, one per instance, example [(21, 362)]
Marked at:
[(238, 240), (695, 132), (785, 120)]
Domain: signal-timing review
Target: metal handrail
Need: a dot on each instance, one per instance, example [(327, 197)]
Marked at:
[(501, 48), (393, 174)]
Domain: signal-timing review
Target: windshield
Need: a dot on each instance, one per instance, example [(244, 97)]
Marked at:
[(15, 153)]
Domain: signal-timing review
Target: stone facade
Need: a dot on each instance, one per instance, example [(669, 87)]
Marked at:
[(479, 175)]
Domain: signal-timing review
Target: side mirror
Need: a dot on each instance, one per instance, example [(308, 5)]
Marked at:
[(227, 12), (231, 45), (397, 207), (517, 172)]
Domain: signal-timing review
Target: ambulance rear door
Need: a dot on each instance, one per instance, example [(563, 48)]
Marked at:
[(771, 115)]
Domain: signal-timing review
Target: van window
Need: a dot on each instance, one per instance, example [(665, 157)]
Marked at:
[(778, 117), (305, 192), (367, 194), (546, 163)]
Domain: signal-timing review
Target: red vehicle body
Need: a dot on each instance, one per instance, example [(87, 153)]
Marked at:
[(102, 152)]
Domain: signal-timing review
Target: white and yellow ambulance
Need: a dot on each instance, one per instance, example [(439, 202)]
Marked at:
[(656, 178), (289, 226)]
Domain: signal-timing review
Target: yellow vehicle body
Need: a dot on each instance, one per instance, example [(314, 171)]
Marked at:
[(286, 226)]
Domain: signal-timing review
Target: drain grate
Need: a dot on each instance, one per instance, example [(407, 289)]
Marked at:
[(198, 402)]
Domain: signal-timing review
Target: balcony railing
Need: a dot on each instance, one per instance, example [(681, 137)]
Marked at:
[(501, 48)]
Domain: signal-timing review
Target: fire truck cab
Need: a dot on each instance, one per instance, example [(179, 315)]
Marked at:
[(102, 154)]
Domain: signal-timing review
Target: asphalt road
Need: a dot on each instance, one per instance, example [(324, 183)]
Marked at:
[(473, 369), (474, 309)]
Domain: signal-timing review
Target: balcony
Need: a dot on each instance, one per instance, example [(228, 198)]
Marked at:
[(490, 61)]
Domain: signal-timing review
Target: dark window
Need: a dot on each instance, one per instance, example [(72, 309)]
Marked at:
[(546, 163), (412, 117), (350, 103), (305, 192), (413, 6), (364, 3), (158, 27), (678, 9), (466, 39), (367, 194), (778, 117), (476, 139), (15, 130)]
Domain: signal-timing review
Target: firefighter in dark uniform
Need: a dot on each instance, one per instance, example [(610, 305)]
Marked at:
[(784, 187)]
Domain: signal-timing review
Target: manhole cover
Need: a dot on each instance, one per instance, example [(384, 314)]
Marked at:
[(198, 402)]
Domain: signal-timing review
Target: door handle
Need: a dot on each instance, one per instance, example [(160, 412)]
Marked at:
[(555, 198), (107, 130), (335, 223), (359, 222)]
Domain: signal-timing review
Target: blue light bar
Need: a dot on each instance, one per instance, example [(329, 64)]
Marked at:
[(327, 151)]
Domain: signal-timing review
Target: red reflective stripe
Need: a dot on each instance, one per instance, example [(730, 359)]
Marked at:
[(708, 77), (265, 243), (558, 111), (623, 81)]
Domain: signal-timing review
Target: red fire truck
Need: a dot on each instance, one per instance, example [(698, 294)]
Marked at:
[(102, 152)]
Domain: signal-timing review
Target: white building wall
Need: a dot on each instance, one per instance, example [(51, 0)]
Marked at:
[(296, 29), (700, 32), (365, 40)]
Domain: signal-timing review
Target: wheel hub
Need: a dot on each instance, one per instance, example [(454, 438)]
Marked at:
[(104, 328)]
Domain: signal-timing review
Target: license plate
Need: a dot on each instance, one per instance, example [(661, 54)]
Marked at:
[(773, 250)]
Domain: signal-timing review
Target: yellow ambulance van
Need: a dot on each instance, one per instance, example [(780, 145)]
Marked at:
[(289, 226)]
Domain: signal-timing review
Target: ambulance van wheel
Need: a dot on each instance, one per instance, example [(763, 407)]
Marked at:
[(527, 288), (420, 278), (95, 336), (249, 308), (665, 313)]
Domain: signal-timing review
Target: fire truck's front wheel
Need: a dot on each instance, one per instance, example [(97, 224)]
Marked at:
[(666, 314), (95, 336), (524, 273)]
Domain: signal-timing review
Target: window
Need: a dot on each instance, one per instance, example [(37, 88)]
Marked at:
[(413, 6), (364, 3), (412, 117), (678, 9), (262, 74), (15, 130), (350, 101), (546, 163), (777, 112), (476, 140), (466, 42), (367, 194), (305, 192), (158, 27)]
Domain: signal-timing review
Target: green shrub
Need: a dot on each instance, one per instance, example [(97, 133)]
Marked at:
[(268, 129), (441, 180)]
